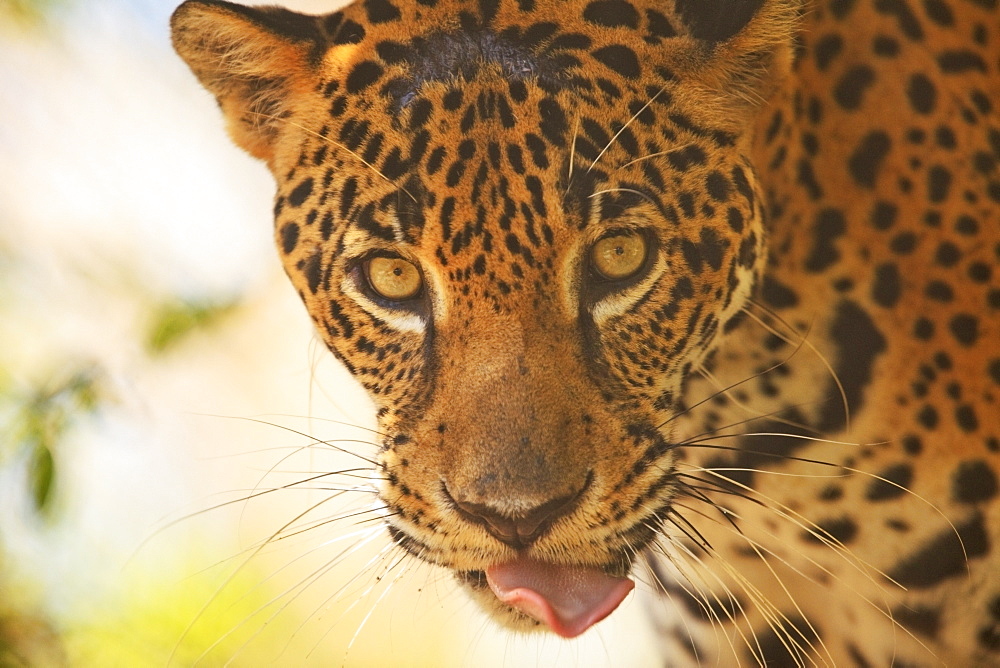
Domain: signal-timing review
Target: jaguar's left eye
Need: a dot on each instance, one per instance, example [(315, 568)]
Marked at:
[(619, 255), (394, 278)]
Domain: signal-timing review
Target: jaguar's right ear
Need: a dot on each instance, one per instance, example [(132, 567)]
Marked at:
[(255, 60)]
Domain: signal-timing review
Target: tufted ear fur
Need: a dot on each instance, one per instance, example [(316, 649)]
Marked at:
[(251, 59), (748, 43)]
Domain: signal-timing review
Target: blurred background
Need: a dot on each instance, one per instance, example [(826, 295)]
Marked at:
[(180, 479)]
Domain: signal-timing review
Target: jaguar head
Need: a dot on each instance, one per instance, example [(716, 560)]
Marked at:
[(521, 226)]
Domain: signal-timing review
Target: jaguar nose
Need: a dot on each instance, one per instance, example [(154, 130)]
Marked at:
[(520, 529)]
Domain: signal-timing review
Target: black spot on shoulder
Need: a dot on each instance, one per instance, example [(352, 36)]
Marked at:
[(841, 530), (884, 215), (973, 482), (774, 649), (921, 93), (885, 46), (908, 23), (988, 635), (887, 287), (777, 294), (827, 48), (851, 87), (939, 12), (890, 483), (923, 621), (965, 328), (828, 226), (938, 183), (944, 556), (859, 344), (956, 62), (866, 160), (841, 8)]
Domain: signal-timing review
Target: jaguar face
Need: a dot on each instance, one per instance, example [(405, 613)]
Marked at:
[(521, 238)]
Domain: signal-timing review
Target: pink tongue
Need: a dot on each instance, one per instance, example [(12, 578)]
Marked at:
[(569, 599)]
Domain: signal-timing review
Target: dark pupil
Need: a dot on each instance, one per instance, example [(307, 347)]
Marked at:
[(619, 250), (398, 271)]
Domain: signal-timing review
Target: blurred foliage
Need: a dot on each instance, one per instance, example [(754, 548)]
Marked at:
[(40, 424), (28, 12), (175, 320), (185, 623), (27, 637), (28, 641)]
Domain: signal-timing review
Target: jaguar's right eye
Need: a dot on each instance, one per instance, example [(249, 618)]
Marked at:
[(619, 256), (393, 278)]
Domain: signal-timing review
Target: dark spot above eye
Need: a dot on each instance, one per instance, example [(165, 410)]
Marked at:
[(381, 11), (348, 32), (363, 75), (619, 58)]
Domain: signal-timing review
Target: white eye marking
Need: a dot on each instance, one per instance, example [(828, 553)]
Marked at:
[(618, 302), (402, 320)]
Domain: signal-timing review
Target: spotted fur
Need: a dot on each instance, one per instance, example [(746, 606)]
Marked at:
[(787, 420)]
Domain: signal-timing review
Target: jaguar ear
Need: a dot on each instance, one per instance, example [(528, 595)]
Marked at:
[(750, 43), (253, 59), (716, 20)]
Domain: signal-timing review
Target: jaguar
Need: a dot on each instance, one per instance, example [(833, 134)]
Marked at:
[(703, 294)]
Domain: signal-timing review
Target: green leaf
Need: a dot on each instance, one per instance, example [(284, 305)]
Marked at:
[(173, 321), (42, 473)]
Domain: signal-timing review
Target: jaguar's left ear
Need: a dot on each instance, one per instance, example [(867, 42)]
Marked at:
[(749, 43), (253, 59)]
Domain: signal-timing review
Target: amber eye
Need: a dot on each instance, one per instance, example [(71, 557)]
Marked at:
[(619, 255), (394, 278)]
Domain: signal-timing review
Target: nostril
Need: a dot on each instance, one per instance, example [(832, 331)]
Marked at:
[(523, 528)]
